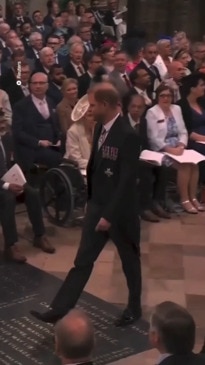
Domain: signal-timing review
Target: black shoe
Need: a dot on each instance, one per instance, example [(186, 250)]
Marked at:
[(149, 216), (48, 317), (127, 318), (160, 212)]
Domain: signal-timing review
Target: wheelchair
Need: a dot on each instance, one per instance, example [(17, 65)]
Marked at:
[(63, 194)]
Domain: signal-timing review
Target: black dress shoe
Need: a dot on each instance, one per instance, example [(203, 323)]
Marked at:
[(127, 318), (149, 216), (48, 317), (160, 212)]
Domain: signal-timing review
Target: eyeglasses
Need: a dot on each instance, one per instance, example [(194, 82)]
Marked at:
[(165, 96), (41, 83)]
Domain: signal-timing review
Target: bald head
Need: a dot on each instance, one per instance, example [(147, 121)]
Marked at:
[(176, 70), (74, 335)]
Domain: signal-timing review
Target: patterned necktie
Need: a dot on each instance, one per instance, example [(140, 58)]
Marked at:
[(3, 167), (102, 138), (80, 69), (127, 81)]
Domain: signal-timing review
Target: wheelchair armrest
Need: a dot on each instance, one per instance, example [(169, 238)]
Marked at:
[(70, 162)]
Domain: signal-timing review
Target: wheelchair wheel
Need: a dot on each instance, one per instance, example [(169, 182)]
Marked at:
[(57, 196)]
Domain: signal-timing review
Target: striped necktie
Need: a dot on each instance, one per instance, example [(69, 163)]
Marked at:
[(102, 138)]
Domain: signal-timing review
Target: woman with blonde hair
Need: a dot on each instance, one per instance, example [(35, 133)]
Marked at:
[(64, 109), (79, 140)]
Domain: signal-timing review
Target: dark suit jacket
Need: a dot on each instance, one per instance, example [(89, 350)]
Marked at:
[(4, 70), (8, 148), (108, 19), (70, 71), (192, 359), (39, 67), (25, 42), (54, 93), (8, 79), (84, 84), (63, 60), (45, 33), (14, 21), (112, 173), (6, 54), (48, 20), (144, 143), (153, 76), (31, 54), (25, 130)]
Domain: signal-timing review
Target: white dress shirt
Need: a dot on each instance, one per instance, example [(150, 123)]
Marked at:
[(162, 358), (3, 42), (143, 93), (25, 89), (132, 122), (41, 106), (121, 29), (36, 52)]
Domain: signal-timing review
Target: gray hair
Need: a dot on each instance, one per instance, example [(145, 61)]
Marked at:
[(33, 36)]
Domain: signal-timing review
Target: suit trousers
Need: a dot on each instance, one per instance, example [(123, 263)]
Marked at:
[(126, 240), (152, 185), (7, 214)]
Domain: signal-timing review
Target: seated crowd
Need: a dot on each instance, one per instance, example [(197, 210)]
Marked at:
[(172, 333), (48, 63)]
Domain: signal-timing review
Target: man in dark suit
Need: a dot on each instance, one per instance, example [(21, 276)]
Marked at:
[(53, 42), (149, 57), (85, 34), (119, 76), (172, 333), (75, 68), (153, 179), (75, 339), (3, 67), (140, 80), (35, 127), (18, 92), (8, 193), (110, 14), (26, 30), (39, 26), (56, 77), (53, 11), (111, 209), (36, 44), (18, 17), (45, 61), (93, 61)]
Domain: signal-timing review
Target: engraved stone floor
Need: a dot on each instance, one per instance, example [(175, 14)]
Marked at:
[(173, 264)]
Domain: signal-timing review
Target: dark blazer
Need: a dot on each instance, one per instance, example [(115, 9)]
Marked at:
[(45, 32), (144, 143), (83, 84), (192, 359), (8, 148), (153, 75), (31, 54), (63, 60), (112, 173), (39, 67), (70, 71), (48, 20), (8, 79), (14, 21), (54, 93), (25, 130), (25, 42), (4, 69), (108, 19), (6, 54)]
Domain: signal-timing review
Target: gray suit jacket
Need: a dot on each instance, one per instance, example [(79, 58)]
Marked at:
[(116, 78)]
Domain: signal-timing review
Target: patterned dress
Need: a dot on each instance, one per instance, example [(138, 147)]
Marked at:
[(172, 138)]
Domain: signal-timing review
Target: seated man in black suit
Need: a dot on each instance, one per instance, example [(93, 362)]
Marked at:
[(26, 30), (85, 34), (93, 61), (56, 77), (74, 338), (149, 57), (53, 11), (172, 333), (45, 30), (141, 81), (3, 67), (18, 92), (53, 41), (75, 67), (35, 127), (8, 193), (46, 60), (152, 179), (36, 44), (18, 17)]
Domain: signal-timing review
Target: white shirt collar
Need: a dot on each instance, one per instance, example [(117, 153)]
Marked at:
[(74, 65), (91, 76), (37, 100), (108, 125), (132, 122), (146, 63), (163, 357)]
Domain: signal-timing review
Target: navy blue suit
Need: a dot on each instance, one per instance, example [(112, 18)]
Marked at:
[(54, 93)]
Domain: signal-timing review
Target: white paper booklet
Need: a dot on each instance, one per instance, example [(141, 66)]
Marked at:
[(152, 157), (14, 176), (188, 156), (202, 142)]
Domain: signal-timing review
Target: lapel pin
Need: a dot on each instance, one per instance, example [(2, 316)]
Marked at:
[(108, 172)]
